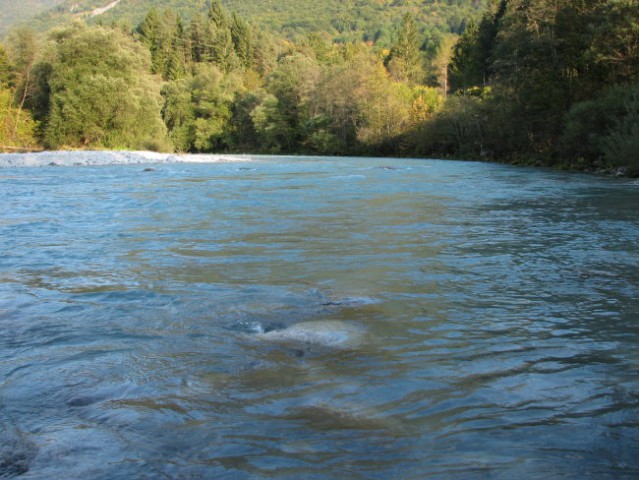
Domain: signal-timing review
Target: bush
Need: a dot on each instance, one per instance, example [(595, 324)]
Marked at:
[(603, 129), (621, 145), (456, 130)]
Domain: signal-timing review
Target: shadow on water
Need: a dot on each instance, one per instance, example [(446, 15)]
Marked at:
[(16, 452)]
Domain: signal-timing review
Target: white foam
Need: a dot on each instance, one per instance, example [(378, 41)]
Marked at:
[(325, 333)]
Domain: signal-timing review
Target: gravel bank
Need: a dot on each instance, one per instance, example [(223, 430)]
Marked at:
[(87, 158)]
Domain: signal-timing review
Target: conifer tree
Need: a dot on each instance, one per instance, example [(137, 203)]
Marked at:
[(198, 40), (405, 62), (217, 15), (473, 54), (242, 41)]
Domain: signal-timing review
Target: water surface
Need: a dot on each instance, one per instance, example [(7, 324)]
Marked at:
[(498, 310)]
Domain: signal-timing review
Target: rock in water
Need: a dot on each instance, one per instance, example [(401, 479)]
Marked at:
[(323, 333)]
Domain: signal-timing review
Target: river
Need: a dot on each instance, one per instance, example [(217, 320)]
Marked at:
[(484, 321)]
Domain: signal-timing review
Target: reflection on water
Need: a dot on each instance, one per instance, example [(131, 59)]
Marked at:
[(485, 317)]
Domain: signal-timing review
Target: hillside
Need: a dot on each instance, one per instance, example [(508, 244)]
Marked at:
[(14, 12), (341, 20)]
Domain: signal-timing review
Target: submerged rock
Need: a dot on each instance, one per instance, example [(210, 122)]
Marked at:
[(323, 333)]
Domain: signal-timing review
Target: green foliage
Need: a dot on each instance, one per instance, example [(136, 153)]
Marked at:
[(101, 93), (245, 136), (271, 125), (620, 145), (165, 37), (178, 113), (19, 12), (336, 111), (405, 62), (344, 21), (242, 40), (6, 74), (470, 65), (218, 38), (456, 130), (552, 80), (17, 128), (440, 70), (212, 96), (604, 132), (198, 109), (286, 111), (589, 122), (550, 65)]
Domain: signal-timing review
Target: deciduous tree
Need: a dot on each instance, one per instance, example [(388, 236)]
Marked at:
[(102, 95)]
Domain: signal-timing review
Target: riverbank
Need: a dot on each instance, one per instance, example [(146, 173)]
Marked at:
[(75, 158), (107, 157)]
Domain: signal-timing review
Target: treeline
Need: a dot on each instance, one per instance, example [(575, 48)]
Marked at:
[(549, 81), (342, 21), (552, 81), (217, 84)]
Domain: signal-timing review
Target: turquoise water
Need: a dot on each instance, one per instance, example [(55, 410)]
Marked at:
[(490, 321)]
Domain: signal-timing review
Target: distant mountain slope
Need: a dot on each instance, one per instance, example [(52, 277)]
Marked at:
[(343, 20), (13, 12)]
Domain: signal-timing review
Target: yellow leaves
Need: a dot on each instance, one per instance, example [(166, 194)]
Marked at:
[(17, 128)]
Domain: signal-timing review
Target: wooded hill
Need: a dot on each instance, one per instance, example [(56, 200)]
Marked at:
[(338, 20), (14, 12), (552, 82)]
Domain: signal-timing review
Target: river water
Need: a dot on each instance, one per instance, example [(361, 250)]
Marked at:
[(489, 321)]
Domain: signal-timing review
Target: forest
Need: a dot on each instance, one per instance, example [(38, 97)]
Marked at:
[(543, 82)]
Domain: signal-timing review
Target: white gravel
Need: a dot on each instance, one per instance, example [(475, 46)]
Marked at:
[(87, 158)]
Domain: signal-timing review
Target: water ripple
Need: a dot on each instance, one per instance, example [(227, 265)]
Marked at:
[(496, 309)]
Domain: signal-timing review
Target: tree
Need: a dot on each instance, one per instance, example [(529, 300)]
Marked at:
[(465, 64), (6, 74), (285, 112), (440, 63), (217, 14), (23, 48), (387, 116), (245, 136), (472, 55), (621, 144), (178, 113), (528, 73), (616, 41), (213, 93), (337, 110), (272, 126), (601, 130), (102, 95), (405, 61), (170, 47), (242, 40), (16, 130), (198, 45)]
